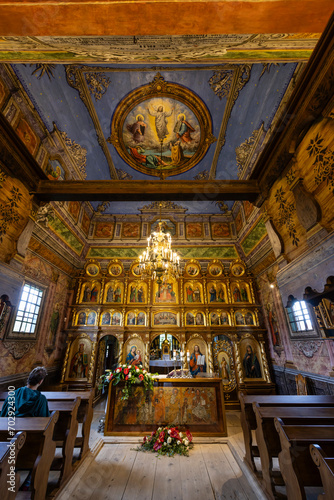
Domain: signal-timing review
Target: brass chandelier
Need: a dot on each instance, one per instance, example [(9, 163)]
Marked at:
[(158, 260)]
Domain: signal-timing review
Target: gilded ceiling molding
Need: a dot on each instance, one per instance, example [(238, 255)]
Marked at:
[(202, 176), (227, 84), (164, 205), (98, 84), (43, 69), (245, 152), (78, 153), (75, 79)]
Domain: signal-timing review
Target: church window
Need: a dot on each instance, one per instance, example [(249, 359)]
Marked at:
[(299, 317), (28, 310)]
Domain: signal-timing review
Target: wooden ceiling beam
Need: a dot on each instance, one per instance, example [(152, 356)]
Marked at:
[(147, 190)]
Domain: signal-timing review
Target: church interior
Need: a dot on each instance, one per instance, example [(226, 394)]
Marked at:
[(166, 206)]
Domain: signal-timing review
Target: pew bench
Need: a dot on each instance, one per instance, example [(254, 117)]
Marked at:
[(268, 440), (37, 453), (8, 458), (248, 419), (296, 465), (326, 469)]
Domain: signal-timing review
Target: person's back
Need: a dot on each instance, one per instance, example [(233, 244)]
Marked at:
[(28, 401)]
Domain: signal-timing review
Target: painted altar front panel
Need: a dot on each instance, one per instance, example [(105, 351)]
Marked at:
[(196, 404)]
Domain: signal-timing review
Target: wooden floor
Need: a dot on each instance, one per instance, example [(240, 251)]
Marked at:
[(118, 472)]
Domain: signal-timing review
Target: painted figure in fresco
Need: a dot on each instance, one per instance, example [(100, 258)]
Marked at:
[(110, 294), (244, 295), (236, 294), (197, 362), (118, 294), (87, 294), (134, 357), (214, 319), (140, 294), (159, 406), (251, 364), (221, 295), (137, 129), (213, 294), (190, 320), (224, 318), (165, 293), (197, 295), (131, 318), (199, 410), (174, 408), (192, 270), (82, 318), (160, 121), (93, 295), (53, 324), (215, 270), (79, 363), (151, 161), (106, 319), (239, 318), (141, 319), (199, 319), (183, 129), (224, 369), (91, 318), (176, 152), (273, 325), (92, 270), (249, 319), (116, 319)]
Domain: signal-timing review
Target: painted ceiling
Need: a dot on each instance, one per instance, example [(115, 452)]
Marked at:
[(241, 101)]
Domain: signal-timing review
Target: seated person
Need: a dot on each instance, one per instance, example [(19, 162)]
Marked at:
[(29, 402)]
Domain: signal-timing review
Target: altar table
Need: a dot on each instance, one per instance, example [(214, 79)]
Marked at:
[(196, 404)]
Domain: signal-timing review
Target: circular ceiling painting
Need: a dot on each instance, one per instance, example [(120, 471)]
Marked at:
[(161, 129)]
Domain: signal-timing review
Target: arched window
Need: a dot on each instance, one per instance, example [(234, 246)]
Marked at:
[(299, 316)]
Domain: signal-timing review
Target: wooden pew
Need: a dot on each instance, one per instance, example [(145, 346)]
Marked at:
[(38, 450), (8, 459), (297, 467), (268, 440), (248, 420), (326, 469), (84, 415)]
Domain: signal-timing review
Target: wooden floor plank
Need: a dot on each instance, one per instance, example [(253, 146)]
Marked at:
[(141, 480), (238, 473), (196, 483), (168, 479), (224, 483)]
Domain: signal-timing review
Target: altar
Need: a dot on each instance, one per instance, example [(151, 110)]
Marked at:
[(196, 404)]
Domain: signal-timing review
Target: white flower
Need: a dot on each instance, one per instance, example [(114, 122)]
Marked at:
[(169, 440), (160, 429), (123, 366), (144, 371), (129, 375), (169, 432), (181, 435), (165, 444), (186, 442), (130, 366)]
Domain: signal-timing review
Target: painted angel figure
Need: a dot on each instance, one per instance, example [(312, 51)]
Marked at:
[(160, 121)]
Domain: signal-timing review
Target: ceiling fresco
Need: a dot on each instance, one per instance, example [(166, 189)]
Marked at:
[(179, 121)]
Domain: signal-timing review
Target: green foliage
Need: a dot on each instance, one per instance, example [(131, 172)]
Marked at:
[(167, 441), (131, 375)]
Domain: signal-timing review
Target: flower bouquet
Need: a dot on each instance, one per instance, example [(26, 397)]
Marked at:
[(168, 441), (131, 375)]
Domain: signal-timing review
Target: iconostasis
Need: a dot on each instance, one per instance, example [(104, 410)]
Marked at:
[(210, 312)]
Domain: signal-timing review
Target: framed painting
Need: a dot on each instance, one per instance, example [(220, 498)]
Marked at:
[(220, 317), (164, 318), (220, 230), (250, 355), (92, 268), (192, 268), (238, 268), (161, 126), (113, 292), (198, 351), (194, 230), (193, 292), (130, 230), (194, 318), (166, 293), (135, 269), (115, 268), (217, 292), (216, 268), (223, 362), (103, 230), (78, 361), (90, 292), (134, 351), (240, 292), (167, 226), (105, 319), (137, 292)]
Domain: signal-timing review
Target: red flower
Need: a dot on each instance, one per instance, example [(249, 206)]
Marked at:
[(161, 436), (174, 433), (127, 377), (141, 376), (157, 446), (110, 376), (144, 440), (126, 371), (189, 436)]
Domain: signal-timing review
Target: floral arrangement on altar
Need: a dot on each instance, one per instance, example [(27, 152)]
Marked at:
[(131, 375), (168, 441)]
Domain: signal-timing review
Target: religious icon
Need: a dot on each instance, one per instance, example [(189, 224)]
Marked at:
[(114, 269), (91, 318), (165, 318), (82, 319), (243, 292), (94, 294), (114, 293), (215, 269), (141, 319), (116, 319), (92, 270), (197, 362), (224, 318), (224, 366), (214, 318), (54, 322), (249, 319), (87, 294), (239, 318), (216, 293), (190, 319), (106, 319), (236, 294), (238, 269), (193, 293), (79, 363), (165, 293), (251, 364), (136, 293), (134, 356), (137, 129), (131, 319)]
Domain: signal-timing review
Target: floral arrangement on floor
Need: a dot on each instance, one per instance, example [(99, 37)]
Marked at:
[(168, 441), (131, 375)]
